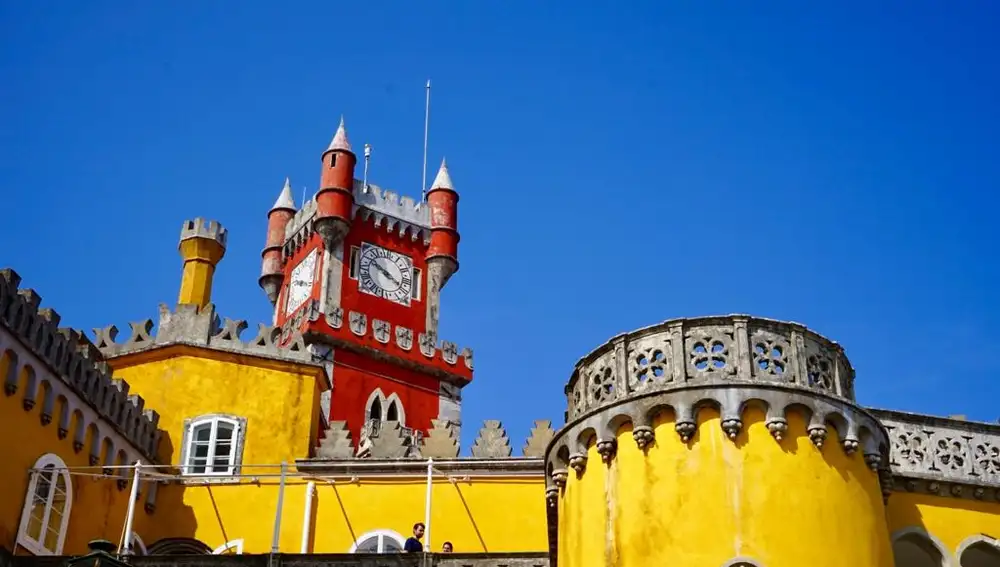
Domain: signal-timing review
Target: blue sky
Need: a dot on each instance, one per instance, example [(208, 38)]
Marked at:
[(833, 166)]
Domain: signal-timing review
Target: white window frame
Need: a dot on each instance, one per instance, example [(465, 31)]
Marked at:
[(416, 284), (58, 471), (236, 545), (213, 421), (381, 535), (353, 262)]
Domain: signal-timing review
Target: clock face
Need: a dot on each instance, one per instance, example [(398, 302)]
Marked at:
[(385, 273), (300, 286)]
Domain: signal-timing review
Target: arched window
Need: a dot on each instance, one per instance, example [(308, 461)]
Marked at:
[(46, 507), (392, 414), (234, 547), (979, 551), (213, 445), (914, 547), (375, 409), (741, 562), (378, 541)]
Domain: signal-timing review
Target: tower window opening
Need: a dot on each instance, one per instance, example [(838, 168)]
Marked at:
[(333, 160), (375, 409), (415, 286), (393, 412), (352, 271)]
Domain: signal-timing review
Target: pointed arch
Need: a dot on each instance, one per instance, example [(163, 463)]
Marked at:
[(394, 403), (47, 506), (375, 406), (915, 547)]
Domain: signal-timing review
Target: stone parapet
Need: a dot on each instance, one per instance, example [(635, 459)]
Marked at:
[(399, 214), (77, 362), (202, 327), (947, 457), (706, 351), (492, 443)]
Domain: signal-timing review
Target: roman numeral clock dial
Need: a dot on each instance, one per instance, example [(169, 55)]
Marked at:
[(386, 274)]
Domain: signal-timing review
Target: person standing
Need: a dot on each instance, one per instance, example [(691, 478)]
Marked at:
[(412, 544)]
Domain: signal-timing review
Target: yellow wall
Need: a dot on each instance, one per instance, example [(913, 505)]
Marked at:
[(781, 504), (98, 508), (949, 520), (201, 255), (279, 400), (481, 514)]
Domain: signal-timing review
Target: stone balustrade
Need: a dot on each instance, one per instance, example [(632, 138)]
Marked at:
[(943, 456), (706, 351)]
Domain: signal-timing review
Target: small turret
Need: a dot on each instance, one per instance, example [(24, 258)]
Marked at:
[(203, 244), (442, 255), (335, 198), (271, 275)]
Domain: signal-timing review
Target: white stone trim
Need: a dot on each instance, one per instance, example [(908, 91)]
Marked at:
[(236, 545), (948, 560), (59, 471), (973, 540), (381, 534)]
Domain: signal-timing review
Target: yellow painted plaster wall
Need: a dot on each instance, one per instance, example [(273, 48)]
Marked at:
[(949, 520), (98, 506), (480, 514), (703, 504), (279, 400)]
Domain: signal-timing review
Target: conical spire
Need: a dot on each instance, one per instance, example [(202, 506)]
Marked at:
[(339, 141), (285, 200), (443, 179)]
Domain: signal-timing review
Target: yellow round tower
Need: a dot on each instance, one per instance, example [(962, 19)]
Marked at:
[(718, 442)]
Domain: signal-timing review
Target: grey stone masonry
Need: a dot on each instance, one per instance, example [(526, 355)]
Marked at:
[(201, 228), (541, 435), (202, 327), (492, 442), (397, 214), (77, 362), (337, 442), (440, 442), (944, 456)]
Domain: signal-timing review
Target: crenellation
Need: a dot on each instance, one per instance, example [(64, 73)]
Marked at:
[(75, 360), (189, 325), (492, 442), (399, 214), (541, 435), (202, 228)]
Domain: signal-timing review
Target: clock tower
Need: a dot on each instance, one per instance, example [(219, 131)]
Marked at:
[(359, 271)]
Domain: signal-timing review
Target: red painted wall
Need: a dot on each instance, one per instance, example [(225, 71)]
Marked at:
[(355, 377), (353, 299)]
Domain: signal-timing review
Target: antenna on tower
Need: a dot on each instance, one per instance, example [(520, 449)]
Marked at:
[(303, 195), (368, 155), (427, 121)]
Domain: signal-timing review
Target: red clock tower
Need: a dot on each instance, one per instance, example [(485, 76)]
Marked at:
[(359, 271)]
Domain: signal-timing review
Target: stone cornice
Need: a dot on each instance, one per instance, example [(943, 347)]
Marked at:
[(942, 456), (458, 467)]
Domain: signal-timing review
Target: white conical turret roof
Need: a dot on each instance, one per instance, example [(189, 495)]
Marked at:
[(443, 179), (285, 200), (340, 141)]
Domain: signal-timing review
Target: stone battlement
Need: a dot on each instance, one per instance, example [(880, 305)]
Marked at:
[(397, 213), (201, 228), (400, 339), (76, 361), (191, 326), (441, 442)]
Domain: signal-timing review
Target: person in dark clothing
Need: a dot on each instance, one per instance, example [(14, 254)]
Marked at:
[(413, 544)]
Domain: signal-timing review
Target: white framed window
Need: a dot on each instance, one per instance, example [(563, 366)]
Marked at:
[(417, 286), (213, 445), (234, 547), (378, 541), (46, 507), (352, 271)]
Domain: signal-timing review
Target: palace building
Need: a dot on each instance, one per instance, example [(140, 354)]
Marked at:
[(323, 435)]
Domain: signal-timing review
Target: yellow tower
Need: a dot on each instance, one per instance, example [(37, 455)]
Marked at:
[(203, 244), (718, 442)]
